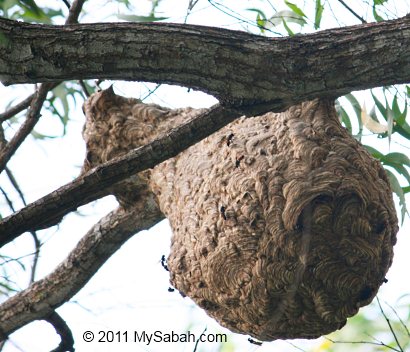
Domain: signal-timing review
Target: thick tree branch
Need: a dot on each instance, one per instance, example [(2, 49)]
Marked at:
[(99, 244), (94, 184), (237, 67)]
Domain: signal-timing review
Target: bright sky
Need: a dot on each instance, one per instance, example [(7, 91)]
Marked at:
[(130, 291)]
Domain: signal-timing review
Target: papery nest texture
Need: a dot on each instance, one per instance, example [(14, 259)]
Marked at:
[(283, 224)]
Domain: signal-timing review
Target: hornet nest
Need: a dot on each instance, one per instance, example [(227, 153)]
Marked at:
[(283, 224)]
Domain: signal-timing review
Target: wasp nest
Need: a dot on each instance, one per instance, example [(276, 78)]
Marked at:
[(283, 224)]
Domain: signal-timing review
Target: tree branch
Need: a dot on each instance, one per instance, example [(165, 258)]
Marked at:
[(62, 329), (32, 117), (41, 298), (236, 67), (94, 184), (36, 103), (75, 10), (14, 110), (361, 19)]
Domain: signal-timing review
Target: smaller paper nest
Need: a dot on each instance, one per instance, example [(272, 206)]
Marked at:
[(283, 224)]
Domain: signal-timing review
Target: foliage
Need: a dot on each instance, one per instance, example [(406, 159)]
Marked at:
[(396, 120), (380, 328), (387, 121)]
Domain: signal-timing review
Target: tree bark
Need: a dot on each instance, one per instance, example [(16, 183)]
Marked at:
[(236, 67), (98, 245), (48, 210)]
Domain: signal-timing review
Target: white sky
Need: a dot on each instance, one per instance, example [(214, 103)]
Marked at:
[(130, 291)]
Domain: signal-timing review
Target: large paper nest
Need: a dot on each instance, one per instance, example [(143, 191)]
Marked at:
[(283, 224)]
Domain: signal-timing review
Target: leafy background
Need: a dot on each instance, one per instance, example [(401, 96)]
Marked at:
[(378, 118)]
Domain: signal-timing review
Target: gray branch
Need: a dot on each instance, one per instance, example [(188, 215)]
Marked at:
[(236, 67), (41, 298)]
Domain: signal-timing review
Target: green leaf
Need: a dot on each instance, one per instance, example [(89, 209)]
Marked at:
[(61, 92), (261, 23), (7, 288), (379, 2), (397, 161), (318, 13), (258, 11), (31, 5), (260, 18), (44, 15), (400, 169), (135, 18), (344, 117), (399, 117), (376, 16), (389, 124), (395, 185), (398, 158), (401, 125), (289, 16), (404, 130), (290, 32), (295, 9), (40, 136), (380, 106), (126, 3), (374, 152), (358, 111)]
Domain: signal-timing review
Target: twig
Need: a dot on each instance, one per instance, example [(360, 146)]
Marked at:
[(16, 186), (352, 11), (197, 341), (26, 128), (191, 5), (152, 91), (8, 200), (37, 246), (62, 329), (36, 102), (224, 9), (16, 109), (67, 3), (37, 243), (378, 343), (84, 87), (389, 324), (296, 347), (75, 10), (401, 321)]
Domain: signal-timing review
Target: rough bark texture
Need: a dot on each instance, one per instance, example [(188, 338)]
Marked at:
[(95, 248), (236, 67), (115, 125), (96, 183), (283, 224)]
